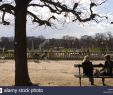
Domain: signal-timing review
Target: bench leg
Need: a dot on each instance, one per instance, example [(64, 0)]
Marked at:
[(91, 79), (103, 79), (80, 80)]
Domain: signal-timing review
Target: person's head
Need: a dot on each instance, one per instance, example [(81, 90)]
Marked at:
[(45, 52), (86, 58), (35, 53), (107, 57)]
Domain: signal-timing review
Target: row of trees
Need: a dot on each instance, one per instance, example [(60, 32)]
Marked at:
[(99, 40)]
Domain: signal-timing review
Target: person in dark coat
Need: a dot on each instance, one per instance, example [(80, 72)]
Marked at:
[(88, 69), (108, 66)]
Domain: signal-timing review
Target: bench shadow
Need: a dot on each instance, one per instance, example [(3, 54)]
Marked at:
[(106, 85), (102, 85)]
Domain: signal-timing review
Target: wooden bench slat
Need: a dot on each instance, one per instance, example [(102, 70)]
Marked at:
[(84, 76)]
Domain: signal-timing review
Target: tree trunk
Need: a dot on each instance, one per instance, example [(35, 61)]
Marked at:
[(21, 67)]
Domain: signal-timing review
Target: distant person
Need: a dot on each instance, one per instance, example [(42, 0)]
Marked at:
[(108, 66), (45, 55), (88, 52), (88, 69), (36, 57)]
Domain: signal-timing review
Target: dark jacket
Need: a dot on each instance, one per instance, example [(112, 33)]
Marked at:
[(87, 68), (108, 67)]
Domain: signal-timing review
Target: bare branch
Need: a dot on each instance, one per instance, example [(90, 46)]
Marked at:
[(101, 2), (38, 20), (54, 7), (35, 5), (64, 8), (6, 8), (111, 22)]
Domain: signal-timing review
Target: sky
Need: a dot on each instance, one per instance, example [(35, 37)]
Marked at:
[(75, 29)]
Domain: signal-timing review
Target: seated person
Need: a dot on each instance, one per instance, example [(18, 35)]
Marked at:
[(45, 55), (88, 69), (108, 65), (36, 57)]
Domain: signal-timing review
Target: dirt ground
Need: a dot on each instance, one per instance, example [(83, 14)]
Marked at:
[(48, 73)]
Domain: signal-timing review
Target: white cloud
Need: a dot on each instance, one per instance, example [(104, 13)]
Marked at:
[(72, 29)]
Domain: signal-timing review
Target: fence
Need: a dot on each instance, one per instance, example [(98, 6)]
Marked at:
[(61, 55), (77, 55)]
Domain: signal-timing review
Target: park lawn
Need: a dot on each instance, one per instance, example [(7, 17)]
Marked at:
[(48, 73)]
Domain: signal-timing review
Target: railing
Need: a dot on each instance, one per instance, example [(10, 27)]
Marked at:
[(77, 55), (7, 55), (61, 55)]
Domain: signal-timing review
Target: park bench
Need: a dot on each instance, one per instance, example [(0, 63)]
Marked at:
[(80, 74)]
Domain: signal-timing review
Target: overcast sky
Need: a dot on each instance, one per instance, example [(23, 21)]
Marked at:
[(73, 29)]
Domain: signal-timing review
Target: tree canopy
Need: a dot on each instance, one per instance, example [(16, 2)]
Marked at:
[(76, 10)]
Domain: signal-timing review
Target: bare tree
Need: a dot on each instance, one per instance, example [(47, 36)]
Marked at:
[(20, 11), (109, 43), (100, 39)]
